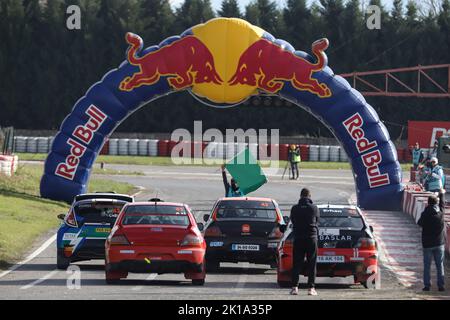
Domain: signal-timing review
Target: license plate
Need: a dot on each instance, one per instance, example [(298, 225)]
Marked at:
[(330, 259), (216, 244), (245, 247), (103, 230)]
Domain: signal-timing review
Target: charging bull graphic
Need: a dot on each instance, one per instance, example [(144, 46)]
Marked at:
[(185, 61), (274, 65)]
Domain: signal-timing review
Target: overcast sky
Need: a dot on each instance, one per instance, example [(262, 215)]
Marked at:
[(243, 3)]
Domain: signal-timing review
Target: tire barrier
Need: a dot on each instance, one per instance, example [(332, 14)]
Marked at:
[(133, 147), (32, 145), (334, 153), (163, 148), (114, 147), (20, 144), (42, 145), (314, 153), (324, 153), (143, 147), (123, 147), (8, 164), (153, 148), (343, 155)]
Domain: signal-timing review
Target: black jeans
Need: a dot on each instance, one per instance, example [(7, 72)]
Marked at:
[(304, 248), (294, 169)]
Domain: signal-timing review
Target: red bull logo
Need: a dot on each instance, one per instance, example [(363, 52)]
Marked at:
[(185, 61), (218, 63), (266, 65)]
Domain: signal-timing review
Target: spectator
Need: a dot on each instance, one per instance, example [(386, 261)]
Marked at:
[(435, 181), (433, 152), (417, 156), (304, 216), (294, 159), (433, 242)]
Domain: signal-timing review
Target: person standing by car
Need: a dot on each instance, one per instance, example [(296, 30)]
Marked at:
[(433, 242), (231, 189), (435, 181), (305, 217), (294, 159), (417, 156)]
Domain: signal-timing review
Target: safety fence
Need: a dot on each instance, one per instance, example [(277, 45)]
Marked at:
[(415, 200), (200, 149), (8, 164)]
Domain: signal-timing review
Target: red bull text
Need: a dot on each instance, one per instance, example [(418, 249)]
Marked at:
[(371, 160), (84, 135)]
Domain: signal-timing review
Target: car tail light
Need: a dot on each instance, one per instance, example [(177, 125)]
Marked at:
[(71, 220), (119, 240), (192, 240), (276, 233), (214, 215), (213, 232), (366, 243)]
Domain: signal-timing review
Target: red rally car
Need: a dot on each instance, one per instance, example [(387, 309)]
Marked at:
[(155, 237), (346, 246)]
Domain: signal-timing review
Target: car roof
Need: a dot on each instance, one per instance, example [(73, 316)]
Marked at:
[(88, 201), (337, 206), (103, 195), (158, 203), (245, 199)]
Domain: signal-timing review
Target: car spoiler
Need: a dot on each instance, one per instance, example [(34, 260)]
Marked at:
[(114, 196)]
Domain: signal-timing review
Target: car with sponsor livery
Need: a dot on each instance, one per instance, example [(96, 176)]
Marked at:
[(86, 226), (346, 247), (243, 229), (156, 237)]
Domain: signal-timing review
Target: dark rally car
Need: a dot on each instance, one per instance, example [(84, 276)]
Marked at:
[(243, 229)]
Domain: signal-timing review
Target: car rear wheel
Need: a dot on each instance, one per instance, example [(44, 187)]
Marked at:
[(113, 277), (62, 262), (198, 282)]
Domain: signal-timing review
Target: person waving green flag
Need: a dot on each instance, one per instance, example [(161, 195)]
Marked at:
[(246, 172)]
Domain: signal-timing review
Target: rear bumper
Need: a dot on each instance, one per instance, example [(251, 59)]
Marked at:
[(224, 253), (362, 266), (154, 259), (167, 266), (90, 249)]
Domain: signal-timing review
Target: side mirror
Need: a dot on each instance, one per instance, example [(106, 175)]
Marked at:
[(283, 228), (200, 226), (371, 229), (206, 217), (286, 219), (61, 216)]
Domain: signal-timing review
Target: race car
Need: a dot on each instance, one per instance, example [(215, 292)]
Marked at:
[(243, 229), (346, 247), (86, 226), (155, 237)]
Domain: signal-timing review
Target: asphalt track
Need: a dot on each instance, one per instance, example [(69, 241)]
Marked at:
[(199, 187)]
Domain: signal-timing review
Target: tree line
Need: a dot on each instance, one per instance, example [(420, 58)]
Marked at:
[(45, 67)]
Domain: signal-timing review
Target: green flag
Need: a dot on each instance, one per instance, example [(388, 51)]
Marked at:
[(246, 171)]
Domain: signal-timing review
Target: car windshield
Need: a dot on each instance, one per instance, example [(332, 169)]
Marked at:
[(156, 214), (340, 218), (249, 209), (92, 212)]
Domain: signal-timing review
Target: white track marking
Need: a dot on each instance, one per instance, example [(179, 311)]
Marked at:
[(42, 279), (33, 255), (152, 276)]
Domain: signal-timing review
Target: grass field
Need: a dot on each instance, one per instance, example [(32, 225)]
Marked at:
[(167, 161), (24, 216)]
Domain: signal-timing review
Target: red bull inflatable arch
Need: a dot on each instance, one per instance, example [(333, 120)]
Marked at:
[(225, 61)]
